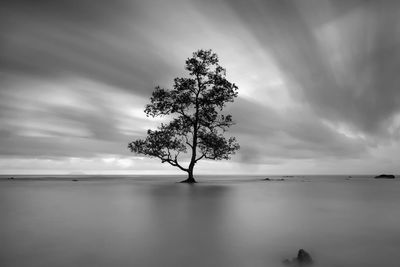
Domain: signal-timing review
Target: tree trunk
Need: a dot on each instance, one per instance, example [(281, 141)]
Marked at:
[(190, 179)]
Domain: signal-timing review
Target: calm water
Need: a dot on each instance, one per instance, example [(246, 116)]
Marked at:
[(152, 221)]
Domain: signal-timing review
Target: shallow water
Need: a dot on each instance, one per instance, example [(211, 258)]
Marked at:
[(153, 221)]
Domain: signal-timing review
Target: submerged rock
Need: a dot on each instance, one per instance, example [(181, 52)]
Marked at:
[(269, 179), (303, 259), (385, 176)]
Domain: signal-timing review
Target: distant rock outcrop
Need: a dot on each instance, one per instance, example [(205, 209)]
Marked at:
[(385, 176), (303, 259), (269, 179)]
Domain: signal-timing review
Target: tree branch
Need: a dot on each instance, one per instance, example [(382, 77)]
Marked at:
[(199, 158), (187, 141), (174, 162)]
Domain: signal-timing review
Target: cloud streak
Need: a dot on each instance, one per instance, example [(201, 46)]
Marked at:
[(342, 63)]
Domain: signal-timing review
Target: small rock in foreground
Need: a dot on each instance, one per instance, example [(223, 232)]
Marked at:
[(303, 259)]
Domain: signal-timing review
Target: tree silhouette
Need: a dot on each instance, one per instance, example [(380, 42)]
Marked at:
[(194, 105)]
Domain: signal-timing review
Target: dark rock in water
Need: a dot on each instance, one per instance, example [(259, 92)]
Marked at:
[(269, 179), (385, 176), (303, 259), (287, 262), (75, 180)]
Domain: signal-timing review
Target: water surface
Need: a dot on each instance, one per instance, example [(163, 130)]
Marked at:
[(222, 221)]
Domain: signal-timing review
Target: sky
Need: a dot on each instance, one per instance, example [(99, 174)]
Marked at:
[(318, 82)]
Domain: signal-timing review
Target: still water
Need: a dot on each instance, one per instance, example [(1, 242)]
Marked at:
[(153, 221)]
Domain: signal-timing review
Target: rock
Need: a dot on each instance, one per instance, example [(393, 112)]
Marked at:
[(269, 179), (287, 262), (385, 176), (75, 180), (303, 259)]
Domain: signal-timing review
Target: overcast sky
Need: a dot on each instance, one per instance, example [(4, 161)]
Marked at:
[(318, 82)]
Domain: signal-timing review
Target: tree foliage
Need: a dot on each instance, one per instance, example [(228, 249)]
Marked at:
[(197, 126)]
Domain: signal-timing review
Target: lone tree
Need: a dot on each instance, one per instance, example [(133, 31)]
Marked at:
[(196, 126)]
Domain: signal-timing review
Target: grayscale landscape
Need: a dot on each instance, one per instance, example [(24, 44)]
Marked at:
[(199, 133)]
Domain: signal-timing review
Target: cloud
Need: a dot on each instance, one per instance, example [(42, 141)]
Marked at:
[(342, 63), (317, 79), (68, 118), (296, 133), (97, 40)]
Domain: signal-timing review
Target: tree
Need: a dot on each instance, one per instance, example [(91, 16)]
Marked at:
[(194, 105)]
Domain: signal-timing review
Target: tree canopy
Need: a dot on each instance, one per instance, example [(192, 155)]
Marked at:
[(197, 126)]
